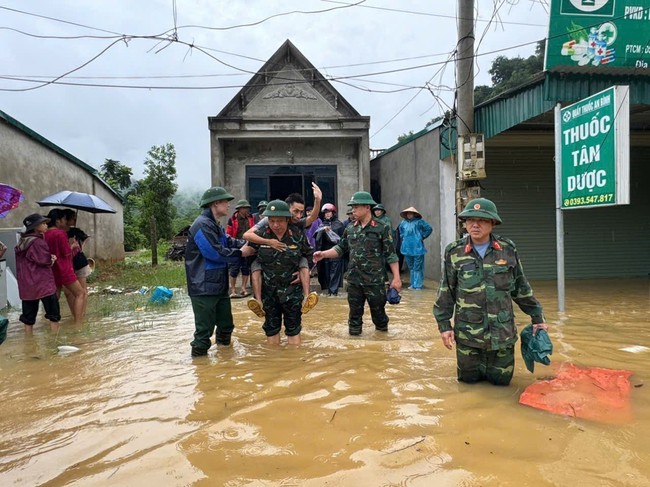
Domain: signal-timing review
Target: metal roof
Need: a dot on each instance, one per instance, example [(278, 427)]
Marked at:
[(539, 96), (51, 145), (411, 138)]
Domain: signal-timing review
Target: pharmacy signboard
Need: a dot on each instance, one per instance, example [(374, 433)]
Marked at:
[(598, 36), (595, 150)]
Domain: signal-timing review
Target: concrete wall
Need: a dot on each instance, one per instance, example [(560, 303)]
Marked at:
[(319, 151), (39, 171), (410, 176)]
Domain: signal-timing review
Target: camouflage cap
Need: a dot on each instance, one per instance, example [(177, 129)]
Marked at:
[(277, 208), (481, 208), (242, 204), (216, 193), (361, 198)]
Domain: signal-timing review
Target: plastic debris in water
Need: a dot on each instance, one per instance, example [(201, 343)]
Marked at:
[(161, 295), (591, 393), (635, 349), (67, 349)]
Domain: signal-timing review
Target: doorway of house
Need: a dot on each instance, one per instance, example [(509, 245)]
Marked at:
[(282, 186), (278, 182)]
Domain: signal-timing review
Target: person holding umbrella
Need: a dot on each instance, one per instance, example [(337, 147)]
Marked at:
[(64, 275), (80, 262)]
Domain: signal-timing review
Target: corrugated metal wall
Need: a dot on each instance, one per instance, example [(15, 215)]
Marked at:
[(599, 242)]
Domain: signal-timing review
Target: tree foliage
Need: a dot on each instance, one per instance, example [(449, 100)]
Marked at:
[(116, 174), (119, 177), (507, 73), (157, 190)]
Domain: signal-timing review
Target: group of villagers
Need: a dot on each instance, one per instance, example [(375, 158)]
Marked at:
[(50, 260), (482, 276)]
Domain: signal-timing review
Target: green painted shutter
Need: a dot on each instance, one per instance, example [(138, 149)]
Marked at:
[(599, 242)]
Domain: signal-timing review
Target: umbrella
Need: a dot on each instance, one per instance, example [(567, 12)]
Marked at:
[(80, 201), (10, 197)]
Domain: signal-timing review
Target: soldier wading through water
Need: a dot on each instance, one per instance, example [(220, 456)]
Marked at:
[(481, 277), (370, 245), (281, 296)]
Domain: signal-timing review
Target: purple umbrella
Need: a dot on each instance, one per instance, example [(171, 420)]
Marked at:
[(80, 201), (10, 198)]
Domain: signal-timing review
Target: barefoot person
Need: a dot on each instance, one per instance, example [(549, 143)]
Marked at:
[(297, 208), (64, 275), (238, 224)]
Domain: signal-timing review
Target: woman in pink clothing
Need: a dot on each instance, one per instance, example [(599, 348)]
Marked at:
[(64, 275)]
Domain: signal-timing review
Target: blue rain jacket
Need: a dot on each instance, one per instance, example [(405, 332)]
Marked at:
[(207, 255), (413, 233)]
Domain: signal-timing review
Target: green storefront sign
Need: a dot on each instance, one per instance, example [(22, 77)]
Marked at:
[(595, 150), (598, 35)]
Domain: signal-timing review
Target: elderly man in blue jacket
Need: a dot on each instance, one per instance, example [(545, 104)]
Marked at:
[(207, 255)]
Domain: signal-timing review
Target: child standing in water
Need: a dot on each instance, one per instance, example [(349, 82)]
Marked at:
[(34, 274)]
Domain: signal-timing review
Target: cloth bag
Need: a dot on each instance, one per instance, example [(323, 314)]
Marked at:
[(535, 348)]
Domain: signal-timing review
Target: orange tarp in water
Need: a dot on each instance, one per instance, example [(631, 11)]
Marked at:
[(583, 392)]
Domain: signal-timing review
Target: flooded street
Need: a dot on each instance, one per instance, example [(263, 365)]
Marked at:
[(132, 408)]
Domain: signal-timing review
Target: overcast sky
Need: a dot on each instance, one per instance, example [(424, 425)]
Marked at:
[(95, 123)]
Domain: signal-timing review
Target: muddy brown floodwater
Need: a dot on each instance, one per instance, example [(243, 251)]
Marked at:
[(132, 408)]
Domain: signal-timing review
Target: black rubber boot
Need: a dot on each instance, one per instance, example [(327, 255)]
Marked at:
[(199, 352), (222, 339)]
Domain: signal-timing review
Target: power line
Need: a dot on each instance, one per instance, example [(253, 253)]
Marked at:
[(282, 14), (444, 16), (59, 20)]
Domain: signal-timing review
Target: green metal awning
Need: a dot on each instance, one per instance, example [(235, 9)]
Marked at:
[(537, 97)]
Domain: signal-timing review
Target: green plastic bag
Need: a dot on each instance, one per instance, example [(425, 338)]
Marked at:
[(535, 348)]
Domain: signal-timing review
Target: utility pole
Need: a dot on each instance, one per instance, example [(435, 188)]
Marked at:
[(464, 92)]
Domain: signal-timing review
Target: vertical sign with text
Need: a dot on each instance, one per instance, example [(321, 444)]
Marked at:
[(595, 148)]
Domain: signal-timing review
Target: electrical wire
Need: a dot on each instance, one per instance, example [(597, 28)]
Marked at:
[(425, 13)]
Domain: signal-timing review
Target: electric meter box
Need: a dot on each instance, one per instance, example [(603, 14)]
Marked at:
[(471, 157)]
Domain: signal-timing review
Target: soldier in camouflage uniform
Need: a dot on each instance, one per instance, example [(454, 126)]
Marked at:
[(281, 298), (482, 275), (369, 243)]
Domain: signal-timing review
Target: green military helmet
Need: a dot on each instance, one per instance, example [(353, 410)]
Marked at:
[(277, 208), (262, 204), (481, 208), (349, 212), (242, 204), (361, 198), (379, 207), (216, 193)]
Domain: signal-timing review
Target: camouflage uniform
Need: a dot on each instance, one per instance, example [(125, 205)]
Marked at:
[(370, 248), (479, 292), (280, 297)]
